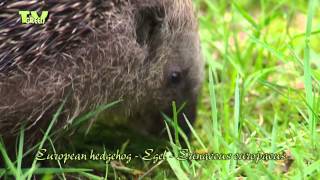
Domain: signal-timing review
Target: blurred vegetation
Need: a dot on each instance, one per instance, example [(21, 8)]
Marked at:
[(264, 59)]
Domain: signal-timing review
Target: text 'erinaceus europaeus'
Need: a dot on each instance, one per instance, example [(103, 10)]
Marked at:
[(145, 52)]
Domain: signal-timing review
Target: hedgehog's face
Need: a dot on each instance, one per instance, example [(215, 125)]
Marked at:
[(181, 77), (175, 68)]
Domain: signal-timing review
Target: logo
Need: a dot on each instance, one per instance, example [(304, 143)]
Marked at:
[(32, 17)]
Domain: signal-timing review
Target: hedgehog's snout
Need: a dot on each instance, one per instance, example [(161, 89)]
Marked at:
[(186, 111), (181, 85)]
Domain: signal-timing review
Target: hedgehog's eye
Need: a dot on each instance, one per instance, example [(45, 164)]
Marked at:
[(175, 77)]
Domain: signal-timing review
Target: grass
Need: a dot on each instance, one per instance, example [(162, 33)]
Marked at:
[(263, 84), (260, 96)]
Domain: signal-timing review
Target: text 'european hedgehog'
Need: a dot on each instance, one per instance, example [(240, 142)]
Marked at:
[(144, 52)]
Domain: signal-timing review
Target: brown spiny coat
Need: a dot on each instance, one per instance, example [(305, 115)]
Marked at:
[(145, 52)]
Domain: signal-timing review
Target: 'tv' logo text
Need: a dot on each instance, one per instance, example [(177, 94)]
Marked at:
[(32, 17)]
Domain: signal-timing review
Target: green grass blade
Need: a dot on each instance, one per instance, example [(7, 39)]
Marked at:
[(6, 159), (307, 70), (93, 113), (181, 133), (214, 111), (55, 152), (20, 152), (175, 120), (194, 132), (175, 165), (266, 46), (245, 15), (274, 140), (91, 176), (45, 137), (237, 108)]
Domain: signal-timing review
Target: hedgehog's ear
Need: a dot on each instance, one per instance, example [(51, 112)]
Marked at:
[(148, 23), (159, 15)]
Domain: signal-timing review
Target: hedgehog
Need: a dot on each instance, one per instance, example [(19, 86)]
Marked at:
[(93, 52)]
